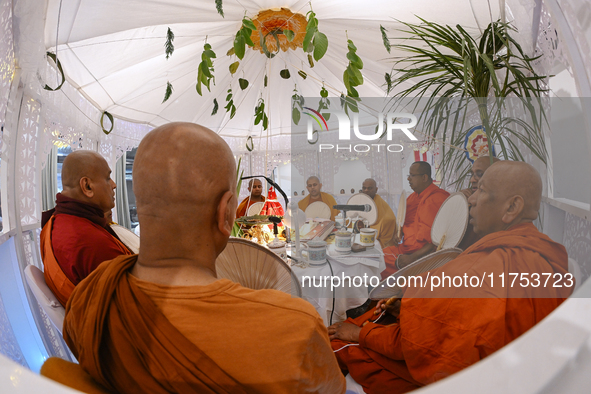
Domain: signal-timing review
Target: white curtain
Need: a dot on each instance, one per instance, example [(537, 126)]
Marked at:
[(122, 203), (49, 180)]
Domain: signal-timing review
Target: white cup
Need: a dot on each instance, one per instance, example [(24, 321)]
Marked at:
[(316, 251), (343, 241), (342, 222), (279, 248), (367, 236)]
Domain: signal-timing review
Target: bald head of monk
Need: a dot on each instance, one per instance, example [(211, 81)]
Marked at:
[(255, 187), (479, 166), (509, 193), (86, 176), (314, 186), (369, 187), (185, 187)]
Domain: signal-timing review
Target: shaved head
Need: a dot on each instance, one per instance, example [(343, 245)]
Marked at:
[(369, 187), (509, 193), (313, 178), (79, 164), (86, 176), (478, 169), (184, 180)]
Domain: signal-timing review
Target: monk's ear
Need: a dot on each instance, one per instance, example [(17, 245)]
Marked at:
[(86, 187), (514, 209), (225, 214)]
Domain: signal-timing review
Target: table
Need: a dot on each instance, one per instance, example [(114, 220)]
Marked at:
[(317, 281)]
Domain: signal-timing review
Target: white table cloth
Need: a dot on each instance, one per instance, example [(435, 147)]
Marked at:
[(360, 267)]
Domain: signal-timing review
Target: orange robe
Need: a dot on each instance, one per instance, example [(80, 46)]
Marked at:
[(244, 205), (386, 223), (87, 247), (436, 337), (325, 198), (134, 336), (421, 210)]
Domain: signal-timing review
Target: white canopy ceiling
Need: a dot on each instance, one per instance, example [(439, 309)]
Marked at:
[(113, 51)]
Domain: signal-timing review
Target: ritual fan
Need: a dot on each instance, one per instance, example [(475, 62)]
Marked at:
[(363, 199), (129, 239), (318, 209), (256, 267), (401, 216), (255, 209), (389, 288), (451, 222)]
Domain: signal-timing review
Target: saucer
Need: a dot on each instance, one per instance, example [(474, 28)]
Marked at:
[(367, 245), (343, 253), (314, 263)]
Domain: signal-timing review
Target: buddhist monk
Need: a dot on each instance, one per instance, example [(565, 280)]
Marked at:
[(76, 236), (478, 169), (421, 208), (162, 321), (314, 187), (386, 222), (255, 187), (436, 332)]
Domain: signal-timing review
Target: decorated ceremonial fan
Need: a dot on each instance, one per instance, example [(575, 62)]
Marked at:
[(272, 207), (451, 221), (390, 289), (255, 209), (256, 267), (318, 209), (128, 238), (401, 213), (363, 199)]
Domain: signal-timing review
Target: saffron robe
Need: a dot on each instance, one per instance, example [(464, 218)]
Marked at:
[(71, 248), (421, 210), (244, 205), (134, 336), (436, 337), (326, 198), (386, 223)]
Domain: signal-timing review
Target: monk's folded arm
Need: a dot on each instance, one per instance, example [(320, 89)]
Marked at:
[(385, 340)]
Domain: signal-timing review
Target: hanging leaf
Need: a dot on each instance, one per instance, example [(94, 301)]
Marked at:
[(323, 92), (218, 7), (265, 81), (302, 74), (168, 92), (385, 39), (289, 34), (352, 76), (110, 117), (263, 43), (230, 107), (239, 45), (248, 23), (230, 52), (205, 69), (310, 60), (215, 107), (243, 83), (168, 46), (59, 68), (320, 45), (284, 73), (233, 67), (295, 115), (251, 146), (260, 115)]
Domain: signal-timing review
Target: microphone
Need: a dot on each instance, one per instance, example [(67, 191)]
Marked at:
[(346, 207)]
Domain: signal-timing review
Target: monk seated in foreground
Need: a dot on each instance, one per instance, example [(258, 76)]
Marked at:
[(76, 235), (314, 187), (162, 322), (421, 208), (255, 187), (386, 222), (438, 332)]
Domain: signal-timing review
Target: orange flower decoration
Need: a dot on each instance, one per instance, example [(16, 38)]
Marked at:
[(269, 20)]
